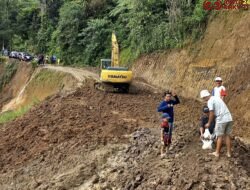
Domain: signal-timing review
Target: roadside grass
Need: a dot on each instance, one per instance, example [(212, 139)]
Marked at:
[(44, 84), (3, 59), (49, 77), (11, 115)]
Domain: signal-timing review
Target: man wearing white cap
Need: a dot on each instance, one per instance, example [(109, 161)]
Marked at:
[(224, 121), (219, 90)]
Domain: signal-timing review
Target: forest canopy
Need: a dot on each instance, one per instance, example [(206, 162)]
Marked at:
[(79, 31)]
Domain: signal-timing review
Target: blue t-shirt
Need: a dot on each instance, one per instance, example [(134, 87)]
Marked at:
[(168, 107)]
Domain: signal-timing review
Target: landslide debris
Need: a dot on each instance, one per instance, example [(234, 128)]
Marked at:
[(94, 140)]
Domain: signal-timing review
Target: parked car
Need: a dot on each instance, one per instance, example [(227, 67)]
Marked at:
[(13, 54), (20, 55), (27, 57)]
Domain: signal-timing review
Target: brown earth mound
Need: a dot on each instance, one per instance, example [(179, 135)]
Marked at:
[(83, 117), (83, 141)]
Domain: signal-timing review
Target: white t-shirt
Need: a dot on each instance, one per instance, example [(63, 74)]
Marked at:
[(220, 109), (219, 91)]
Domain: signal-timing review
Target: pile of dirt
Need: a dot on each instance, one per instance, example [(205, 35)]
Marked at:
[(85, 113), (86, 118), (94, 140)]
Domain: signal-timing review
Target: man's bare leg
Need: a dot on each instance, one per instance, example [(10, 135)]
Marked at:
[(219, 144), (229, 146)]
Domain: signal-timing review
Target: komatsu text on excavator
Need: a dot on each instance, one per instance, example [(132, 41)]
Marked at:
[(114, 78)]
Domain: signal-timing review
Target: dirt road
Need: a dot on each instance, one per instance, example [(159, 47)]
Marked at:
[(82, 74), (79, 74)]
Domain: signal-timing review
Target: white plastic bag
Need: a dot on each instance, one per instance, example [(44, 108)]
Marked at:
[(207, 134), (207, 144), (207, 141)]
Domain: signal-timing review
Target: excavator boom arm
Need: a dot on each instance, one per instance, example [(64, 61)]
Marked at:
[(115, 52)]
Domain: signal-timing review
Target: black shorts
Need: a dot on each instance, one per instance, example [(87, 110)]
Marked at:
[(165, 130)]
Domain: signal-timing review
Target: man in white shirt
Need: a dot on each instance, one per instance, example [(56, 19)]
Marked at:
[(219, 90), (224, 121)]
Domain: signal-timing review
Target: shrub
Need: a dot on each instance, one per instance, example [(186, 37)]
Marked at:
[(3, 59), (34, 64)]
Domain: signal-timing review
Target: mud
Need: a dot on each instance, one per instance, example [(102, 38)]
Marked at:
[(94, 140)]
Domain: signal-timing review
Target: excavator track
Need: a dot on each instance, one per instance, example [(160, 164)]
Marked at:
[(109, 87), (104, 87)]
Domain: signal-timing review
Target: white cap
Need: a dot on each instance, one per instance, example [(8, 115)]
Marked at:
[(218, 79), (204, 93)]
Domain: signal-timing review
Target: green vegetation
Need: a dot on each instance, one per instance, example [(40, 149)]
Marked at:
[(34, 64), (7, 74), (49, 77), (79, 31), (3, 59), (43, 85), (11, 115)]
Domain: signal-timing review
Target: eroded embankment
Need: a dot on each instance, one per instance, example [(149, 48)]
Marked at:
[(30, 86), (13, 77)]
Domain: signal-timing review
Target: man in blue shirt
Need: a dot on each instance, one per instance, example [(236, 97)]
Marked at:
[(167, 106)]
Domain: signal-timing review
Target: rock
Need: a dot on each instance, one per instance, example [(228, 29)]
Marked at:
[(95, 179), (205, 178), (220, 185), (232, 186), (120, 171), (35, 184), (201, 160), (177, 155), (189, 185), (213, 185), (208, 159), (129, 186), (202, 186), (218, 168), (139, 178)]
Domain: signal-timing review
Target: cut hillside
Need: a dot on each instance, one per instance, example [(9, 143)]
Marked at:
[(224, 51), (28, 86), (13, 81), (43, 82)]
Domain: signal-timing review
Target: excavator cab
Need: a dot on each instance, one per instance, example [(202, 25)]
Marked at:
[(105, 63)]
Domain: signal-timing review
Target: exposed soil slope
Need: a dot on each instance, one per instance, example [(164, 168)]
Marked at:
[(21, 77), (29, 86), (224, 51)]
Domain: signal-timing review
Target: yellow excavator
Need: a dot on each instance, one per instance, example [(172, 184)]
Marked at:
[(114, 78)]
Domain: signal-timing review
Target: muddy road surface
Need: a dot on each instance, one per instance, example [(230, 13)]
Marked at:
[(93, 140)]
